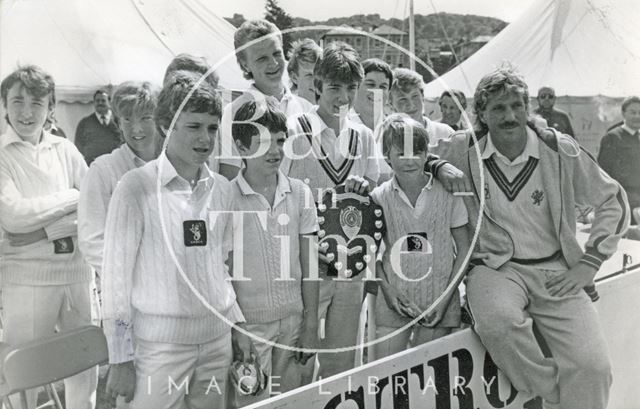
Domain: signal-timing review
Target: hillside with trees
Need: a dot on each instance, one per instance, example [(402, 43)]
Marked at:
[(437, 36)]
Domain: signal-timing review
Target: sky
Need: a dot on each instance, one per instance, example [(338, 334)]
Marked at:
[(507, 10)]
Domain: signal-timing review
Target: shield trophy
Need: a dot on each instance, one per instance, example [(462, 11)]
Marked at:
[(351, 230)]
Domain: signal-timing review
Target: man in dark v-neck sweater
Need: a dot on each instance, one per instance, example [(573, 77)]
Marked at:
[(619, 153)]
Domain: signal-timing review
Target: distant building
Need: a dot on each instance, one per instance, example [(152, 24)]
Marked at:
[(466, 48), (369, 47)]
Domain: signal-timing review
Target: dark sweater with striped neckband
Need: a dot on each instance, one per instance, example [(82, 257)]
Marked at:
[(619, 156)]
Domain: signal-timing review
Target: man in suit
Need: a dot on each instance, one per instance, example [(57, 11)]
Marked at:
[(98, 133), (619, 153)]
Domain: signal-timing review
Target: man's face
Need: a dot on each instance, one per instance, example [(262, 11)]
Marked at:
[(632, 116), (139, 132), (303, 79), (101, 104), (269, 162), (27, 114), (373, 90), (410, 103), (335, 95), (505, 115), (191, 141), (546, 99), (450, 112), (265, 61)]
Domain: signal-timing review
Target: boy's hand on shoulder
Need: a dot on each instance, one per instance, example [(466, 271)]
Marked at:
[(121, 381), (453, 179), (357, 184)]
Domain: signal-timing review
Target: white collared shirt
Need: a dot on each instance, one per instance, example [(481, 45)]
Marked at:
[(107, 118), (334, 147), (630, 130), (531, 148), (265, 259), (146, 255)]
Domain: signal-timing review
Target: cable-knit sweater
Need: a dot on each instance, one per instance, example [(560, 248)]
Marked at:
[(268, 294), (39, 189), (419, 271), (144, 293)]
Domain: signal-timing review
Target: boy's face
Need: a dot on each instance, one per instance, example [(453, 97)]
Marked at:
[(191, 141), (411, 165), (27, 113), (450, 112), (304, 81), (269, 162), (265, 61), (410, 103), (374, 86), (139, 131), (631, 116), (334, 95)]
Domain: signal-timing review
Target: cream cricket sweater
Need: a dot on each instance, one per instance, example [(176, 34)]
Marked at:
[(144, 294), (39, 189)]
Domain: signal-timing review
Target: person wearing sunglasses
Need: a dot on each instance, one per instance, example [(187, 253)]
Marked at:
[(557, 119)]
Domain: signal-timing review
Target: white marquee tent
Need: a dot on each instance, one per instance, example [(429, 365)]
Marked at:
[(588, 50), (89, 44)]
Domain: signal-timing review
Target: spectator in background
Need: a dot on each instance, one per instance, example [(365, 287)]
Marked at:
[(192, 63), (303, 56), (98, 133), (373, 93), (133, 103), (451, 114), (619, 153), (46, 284), (557, 119), (407, 97), (51, 125)]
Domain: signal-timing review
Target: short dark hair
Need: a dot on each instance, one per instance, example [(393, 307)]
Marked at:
[(340, 62), (546, 88), (252, 30), (455, 94), (189, 62), (36, 81), (204, 99), (272, 118), (377, 65), (628, 101), (393, 130), (501, 80), (101, 92)]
